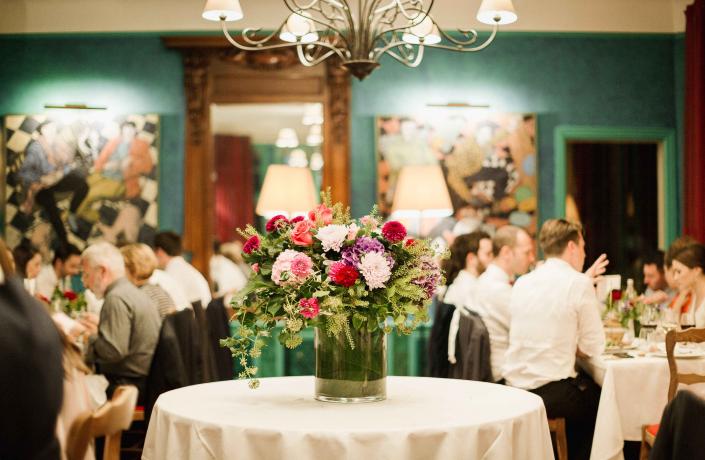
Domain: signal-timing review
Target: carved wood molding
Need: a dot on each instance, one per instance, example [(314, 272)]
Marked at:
[(266, 60), (196, 64)]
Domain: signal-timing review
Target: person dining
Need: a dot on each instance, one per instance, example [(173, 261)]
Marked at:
[(167, 247), (28, 263), (122, 341), (513, 251), (554, 317), (689, 273), (657, 290), (140, 263), (65, 264), (683, 299)]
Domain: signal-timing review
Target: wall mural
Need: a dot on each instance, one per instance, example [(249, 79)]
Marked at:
[(488, 160), (80, 179)]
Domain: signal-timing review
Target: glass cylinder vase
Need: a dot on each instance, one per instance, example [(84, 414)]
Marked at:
[(351, 374)]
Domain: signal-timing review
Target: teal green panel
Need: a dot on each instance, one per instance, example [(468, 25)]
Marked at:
[(126, 74), (578, 79)]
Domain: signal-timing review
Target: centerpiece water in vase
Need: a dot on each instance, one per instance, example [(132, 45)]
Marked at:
[(355, 281)]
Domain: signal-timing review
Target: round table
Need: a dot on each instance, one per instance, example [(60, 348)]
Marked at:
[(422, 418)]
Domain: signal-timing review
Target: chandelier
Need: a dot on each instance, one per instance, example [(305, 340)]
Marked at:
[(360, 32)]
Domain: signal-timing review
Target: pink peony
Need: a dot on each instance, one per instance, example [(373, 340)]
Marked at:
[(251, 245), (302, 266), (276, 222), (394, 231), (301, 234), (309, 308), (321, 215), (343, 274)]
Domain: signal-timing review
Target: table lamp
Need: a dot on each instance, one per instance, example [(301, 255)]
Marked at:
[(421, 197), (286, 190)]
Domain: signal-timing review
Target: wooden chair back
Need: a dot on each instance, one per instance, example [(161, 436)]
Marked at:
[(691, 335), (109, 420)]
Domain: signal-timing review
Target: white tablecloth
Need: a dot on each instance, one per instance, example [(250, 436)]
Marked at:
[(422, 418), (634, 393)]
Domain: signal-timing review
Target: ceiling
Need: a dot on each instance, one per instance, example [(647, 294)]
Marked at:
[(40, 16)]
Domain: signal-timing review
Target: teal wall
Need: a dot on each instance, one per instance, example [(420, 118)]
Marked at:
[(127, 74), (577, 79)]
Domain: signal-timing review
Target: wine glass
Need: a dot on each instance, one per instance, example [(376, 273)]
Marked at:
[(670, 320)]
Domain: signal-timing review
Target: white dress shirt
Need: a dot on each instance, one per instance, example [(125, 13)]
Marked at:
[(47, 281), (554, 311), (227, 276), (491, 302), (168, 283), (460, 294), (191, 280)]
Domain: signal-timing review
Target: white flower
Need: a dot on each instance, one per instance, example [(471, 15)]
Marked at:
[(332, 236), (375, 268)]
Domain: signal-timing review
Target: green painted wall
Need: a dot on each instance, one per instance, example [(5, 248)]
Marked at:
[(126, 74), (576, 79)]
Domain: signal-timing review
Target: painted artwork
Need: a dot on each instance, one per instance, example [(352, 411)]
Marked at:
[(489, 162), (80, 179)]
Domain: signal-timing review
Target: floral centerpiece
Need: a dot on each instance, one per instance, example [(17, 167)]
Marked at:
[(69, 302), (623, 309), (353, 280)]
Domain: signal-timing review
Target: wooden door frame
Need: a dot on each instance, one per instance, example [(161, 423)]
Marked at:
[(200, 56), (668, 208)]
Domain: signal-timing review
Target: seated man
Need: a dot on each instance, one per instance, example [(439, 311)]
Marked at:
[(122, 343), (513, 251), (167, 247), (657, 289), (554, 318), (66, 263)]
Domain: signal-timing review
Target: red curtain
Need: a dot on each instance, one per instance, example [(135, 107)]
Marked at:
[(695, 120), (234, 186)]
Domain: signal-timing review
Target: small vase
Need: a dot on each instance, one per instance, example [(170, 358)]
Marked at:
[(351, 375)]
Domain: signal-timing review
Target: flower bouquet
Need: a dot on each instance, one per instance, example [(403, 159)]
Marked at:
[(68, 302), (353, 280), (623, 308)]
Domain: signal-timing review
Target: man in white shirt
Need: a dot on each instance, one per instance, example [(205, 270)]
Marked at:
[(167, 247), (554, 318), (513, 251), (66, 263), (227, 277)]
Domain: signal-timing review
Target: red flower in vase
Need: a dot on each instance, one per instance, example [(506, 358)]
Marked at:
[(616, 295), (70, 296)]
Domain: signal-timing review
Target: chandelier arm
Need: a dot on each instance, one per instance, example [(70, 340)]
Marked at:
[(407, 62), (309, 61), (461, 44), (413, 3), (292, 5), (399, 28)]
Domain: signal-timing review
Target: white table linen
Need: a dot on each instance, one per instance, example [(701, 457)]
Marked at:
[(634, 393), (422, 418)]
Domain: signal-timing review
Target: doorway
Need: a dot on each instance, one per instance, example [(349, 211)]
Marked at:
[(613, 189)]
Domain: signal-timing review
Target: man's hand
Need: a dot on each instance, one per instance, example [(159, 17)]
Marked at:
[(598, 268), (90, 322), (656, 297)]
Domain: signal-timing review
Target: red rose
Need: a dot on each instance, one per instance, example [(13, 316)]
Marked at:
[(296, 220), (276, 222), (251, 245), (343, 274), (409, 242), (70, 295), (393, 231), (301, 234), (616, 295), (321, 215)]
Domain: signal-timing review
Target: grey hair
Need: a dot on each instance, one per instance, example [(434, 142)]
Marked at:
[(105, 255)]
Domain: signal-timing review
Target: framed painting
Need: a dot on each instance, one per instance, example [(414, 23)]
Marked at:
[(488, 159), (80, 179)]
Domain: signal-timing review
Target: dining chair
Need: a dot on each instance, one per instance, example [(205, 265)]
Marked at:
[(109, 420), (693, 335), (557, 427)]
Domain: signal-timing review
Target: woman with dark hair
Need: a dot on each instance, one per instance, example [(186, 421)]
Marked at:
[(28, 263), (689, 273)]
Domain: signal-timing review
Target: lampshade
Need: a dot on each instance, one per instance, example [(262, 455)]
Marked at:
[(421, 191), (425, 30), (297, 159), (498, 12), (315, 136), (313, 114), (228, 10), (287, 139), (287, 191), (298, 28)]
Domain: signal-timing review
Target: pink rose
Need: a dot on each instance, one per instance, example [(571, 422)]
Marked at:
[(301, 234), (255, 267), (321, 215), (369, 221), (302, 266)]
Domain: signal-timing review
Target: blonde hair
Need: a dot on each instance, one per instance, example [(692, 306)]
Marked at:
[(555, 235), (505, 236), (140, 261)]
